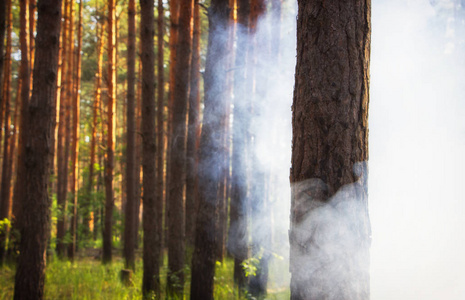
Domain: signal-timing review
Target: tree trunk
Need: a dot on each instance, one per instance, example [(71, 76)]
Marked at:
[(193, 129), (175, 203), (330, 228), (25, 84), (161, 131), (30, 274), (111, 128), (129, 237), (61, 162), (74, 158), (151, 250), (5, 204), (210, 172), (238, 235)]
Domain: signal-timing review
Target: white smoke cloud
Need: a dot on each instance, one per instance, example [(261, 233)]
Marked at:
[(416, 150)]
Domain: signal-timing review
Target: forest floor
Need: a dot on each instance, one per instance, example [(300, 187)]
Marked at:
[(87, 278)]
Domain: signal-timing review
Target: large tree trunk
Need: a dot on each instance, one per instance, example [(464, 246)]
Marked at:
[(193, 129), (129, 221), (151, 250), (111, 128), (210, 172), (5, 203), (175, 203), (30, 273), (238, 236), (330, 228), (75, 154)]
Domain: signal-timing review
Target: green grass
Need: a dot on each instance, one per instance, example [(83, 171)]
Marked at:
[(87, 278)]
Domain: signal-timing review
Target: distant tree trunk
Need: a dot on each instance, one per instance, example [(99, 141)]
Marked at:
[(173, 42), (62, 177), (210, 172), (25, 84), (151, 250), (238, 235), (330, 227), (160, 108), (30, 273), (139, 156), (5, 203), (129, 237), (75, 153), (260, 219), (111, 125), (193, 129), (175, 203)]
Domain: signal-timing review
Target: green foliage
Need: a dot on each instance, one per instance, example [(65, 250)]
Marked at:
[(4, 224)]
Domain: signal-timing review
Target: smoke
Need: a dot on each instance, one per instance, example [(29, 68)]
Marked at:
[(416, 150)]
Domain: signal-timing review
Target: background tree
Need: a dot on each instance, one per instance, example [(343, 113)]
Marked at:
[(151, 250), (111, 128), (129, 237), (30, 273), (203, 260), (175, 203), (330, 229)]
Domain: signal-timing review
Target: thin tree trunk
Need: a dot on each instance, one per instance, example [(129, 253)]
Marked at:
[(203, 261), (25, 84), (173, 42), (175, 203), (75, 152), (61, 175), (111, 127), (151, 250), (129, 237), (238, 235), (139, 156), (160, 109), (193, 129), (5, 204), (330, 227), (3, 16), (30, 273)]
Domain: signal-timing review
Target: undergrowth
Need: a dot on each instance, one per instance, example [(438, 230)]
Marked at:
[(87, 278)]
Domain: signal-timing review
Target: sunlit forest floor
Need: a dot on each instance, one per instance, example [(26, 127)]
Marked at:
[(87, 278)]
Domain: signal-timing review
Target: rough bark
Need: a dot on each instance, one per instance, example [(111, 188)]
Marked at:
[(30, 273), (111, 128), (129, 221), (210, 171), (151, 250), (330, 228), (238, 235), (175, 203), (193, 128)]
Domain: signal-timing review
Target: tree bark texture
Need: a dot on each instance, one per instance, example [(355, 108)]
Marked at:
[(129, 221), (175, 203), (151, 250), (30, 273), (210, 151), (111, 132), (330, 228), (238, 235)]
